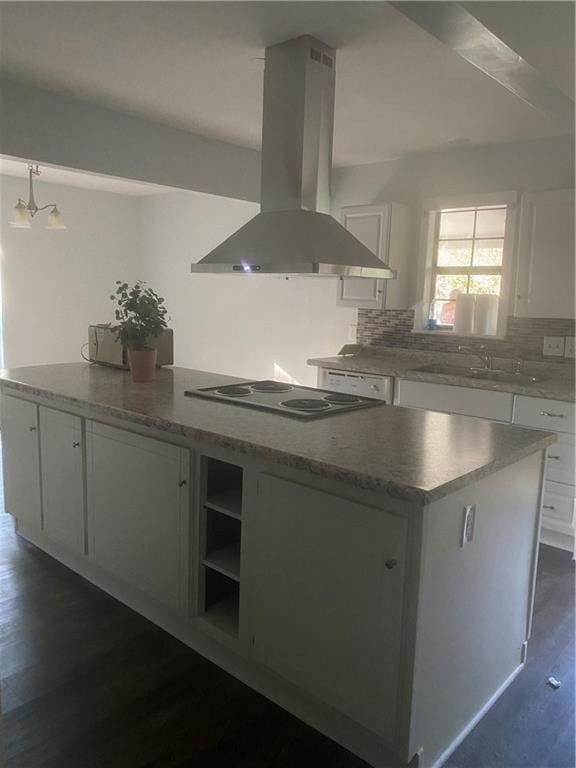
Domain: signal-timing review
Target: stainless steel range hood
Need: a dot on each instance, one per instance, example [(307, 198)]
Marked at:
[(294, 234)]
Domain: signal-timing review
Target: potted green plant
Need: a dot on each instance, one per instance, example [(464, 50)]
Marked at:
[(141, 317)]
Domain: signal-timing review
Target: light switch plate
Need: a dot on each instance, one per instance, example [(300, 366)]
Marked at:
[(553, 346), (569, 346)]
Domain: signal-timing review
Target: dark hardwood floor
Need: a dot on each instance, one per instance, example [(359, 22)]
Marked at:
[(87, 683)]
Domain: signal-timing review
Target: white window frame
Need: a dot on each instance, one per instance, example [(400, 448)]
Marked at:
[(431, 208)]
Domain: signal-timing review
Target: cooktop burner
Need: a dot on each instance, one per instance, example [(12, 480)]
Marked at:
[(234, 391), (340, 398), (271, 386), (306, 404)]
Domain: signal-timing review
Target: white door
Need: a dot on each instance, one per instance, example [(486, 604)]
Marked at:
[(545, 286), (63, 478), (326, 586), (21, 463), (138, 502)]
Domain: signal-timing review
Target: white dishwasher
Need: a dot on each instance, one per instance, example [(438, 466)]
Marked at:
[(364, 384)]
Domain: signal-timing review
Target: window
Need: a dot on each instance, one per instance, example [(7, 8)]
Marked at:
[(468, 257)]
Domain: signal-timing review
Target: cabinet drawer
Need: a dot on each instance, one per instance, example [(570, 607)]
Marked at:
[(560, 462), (496, 406), (558, 502), (555, 415)]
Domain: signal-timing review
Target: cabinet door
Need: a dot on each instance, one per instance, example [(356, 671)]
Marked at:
[(64, 518), (545, 286), (496, 406), (327, 590), (137, 505), (21, 461), (387, 231), (370, 224)]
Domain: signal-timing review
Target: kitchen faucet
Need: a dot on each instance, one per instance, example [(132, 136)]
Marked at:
[(485, 358)]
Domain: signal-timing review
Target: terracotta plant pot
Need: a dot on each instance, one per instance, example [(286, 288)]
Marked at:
[(142, 364)]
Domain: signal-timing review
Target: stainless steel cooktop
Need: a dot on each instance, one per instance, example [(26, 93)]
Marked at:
[(286, 399)]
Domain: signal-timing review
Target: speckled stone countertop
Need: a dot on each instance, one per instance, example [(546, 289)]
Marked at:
[(412, 454), (555, 382)]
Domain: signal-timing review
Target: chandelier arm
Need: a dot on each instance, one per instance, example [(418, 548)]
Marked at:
[(48, 205)]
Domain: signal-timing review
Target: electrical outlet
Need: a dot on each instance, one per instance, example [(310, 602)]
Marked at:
[(352, 331), (569, 346), (468, 524), (553, 346)]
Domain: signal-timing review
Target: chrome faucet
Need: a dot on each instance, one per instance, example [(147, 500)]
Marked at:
[(485, 358)]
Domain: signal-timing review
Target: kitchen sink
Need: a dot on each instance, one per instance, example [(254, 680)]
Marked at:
[(487, 374)]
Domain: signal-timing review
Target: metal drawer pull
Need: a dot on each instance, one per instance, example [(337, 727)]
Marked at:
[(552, 415), (548, 506), (75, 445), (391, 563), (555, 457), (32, 429), (182, 483)]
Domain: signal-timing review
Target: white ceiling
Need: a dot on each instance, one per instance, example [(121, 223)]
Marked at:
[(19, 168), (197, 66)]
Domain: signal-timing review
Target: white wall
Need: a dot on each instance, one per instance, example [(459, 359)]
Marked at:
[(528, 165), (55, 283), (249, 326)]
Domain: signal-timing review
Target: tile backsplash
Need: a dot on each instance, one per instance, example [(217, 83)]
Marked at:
[(524, 335)]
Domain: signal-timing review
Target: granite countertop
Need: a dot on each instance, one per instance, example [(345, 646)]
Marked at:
[(552, 383), (411, 454)]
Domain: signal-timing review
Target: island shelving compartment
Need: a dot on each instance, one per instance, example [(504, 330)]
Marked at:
[(221, 486)]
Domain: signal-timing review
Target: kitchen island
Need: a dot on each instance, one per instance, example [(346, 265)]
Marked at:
[(371, 572)]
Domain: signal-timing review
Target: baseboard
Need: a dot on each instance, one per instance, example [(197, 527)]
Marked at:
[(476, 719), (557, 539)]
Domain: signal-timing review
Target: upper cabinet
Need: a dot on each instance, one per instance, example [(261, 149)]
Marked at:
[(387, 230), (545, 283)]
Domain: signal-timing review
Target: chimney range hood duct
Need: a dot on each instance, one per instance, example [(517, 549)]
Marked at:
[(294, 234)]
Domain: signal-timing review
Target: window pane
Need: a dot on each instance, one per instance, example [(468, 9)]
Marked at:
[(455, 224), (455, 253), (488, 253), (449, 286), (485, 284), (491, 223)]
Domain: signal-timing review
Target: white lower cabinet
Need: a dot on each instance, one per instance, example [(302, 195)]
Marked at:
[(496, 406), (558, 507), (21, 462), (330, 576), (558, 504), (61, 441), (138, 504)]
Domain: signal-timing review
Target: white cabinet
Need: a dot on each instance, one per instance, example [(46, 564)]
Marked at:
[(328, 577), (21, 461), (63, 478), (560, 488), (138, 503), (553, 415), (387, 230), (545, 282), (496, 406)]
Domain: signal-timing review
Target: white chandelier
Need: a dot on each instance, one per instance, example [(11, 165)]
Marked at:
[(23, 213)]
